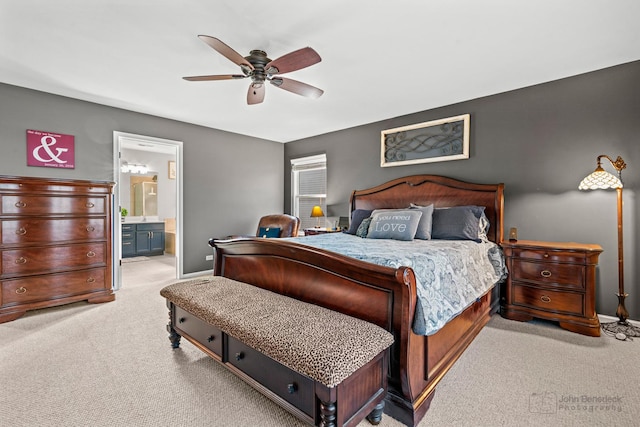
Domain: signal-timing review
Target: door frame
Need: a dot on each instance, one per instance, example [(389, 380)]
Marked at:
[(165, 144)]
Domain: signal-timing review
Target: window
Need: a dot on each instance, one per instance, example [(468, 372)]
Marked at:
[(309, 188)]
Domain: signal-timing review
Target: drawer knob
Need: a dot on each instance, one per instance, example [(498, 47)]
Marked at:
[(91, 254), (239, 355), (211, 338), (90, 228), (20, 204), (182, 320), (21, 290), (21, 260), (21, 231), (89, 205), (292, 388), (91, 280), (545, 273), (546, 255), (545, 298)]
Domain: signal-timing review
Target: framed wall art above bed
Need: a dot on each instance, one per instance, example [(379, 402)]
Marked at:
[(433, 141)]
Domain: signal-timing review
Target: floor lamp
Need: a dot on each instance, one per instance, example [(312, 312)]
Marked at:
[(602, 180)]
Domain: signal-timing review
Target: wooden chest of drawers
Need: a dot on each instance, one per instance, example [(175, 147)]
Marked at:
[(55, 243), (554, 281)]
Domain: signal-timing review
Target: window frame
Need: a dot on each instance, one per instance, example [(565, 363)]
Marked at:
[(308, 163)]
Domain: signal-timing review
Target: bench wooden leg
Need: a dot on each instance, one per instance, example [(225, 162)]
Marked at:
[(376, 415), (327, 414), (174, 337)]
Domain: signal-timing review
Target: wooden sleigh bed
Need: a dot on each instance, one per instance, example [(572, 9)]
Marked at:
[(381, 295)]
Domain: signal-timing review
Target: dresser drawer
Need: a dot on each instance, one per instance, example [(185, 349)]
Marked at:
[(566, 275), (544, 254), (207, 335), (30, 231), (52, 205), (53, 286), (547, 300), (291, 386), (55, 258)]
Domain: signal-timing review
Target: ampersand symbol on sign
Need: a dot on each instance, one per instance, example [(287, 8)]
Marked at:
[(46, 142)]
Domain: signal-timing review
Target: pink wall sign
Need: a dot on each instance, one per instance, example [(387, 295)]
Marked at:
[(51, 150)]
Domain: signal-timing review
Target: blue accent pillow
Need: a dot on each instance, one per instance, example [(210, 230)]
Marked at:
[(457, 223), (356, 218), (424, 226), (268, 232), (394, 224), (363, 230)]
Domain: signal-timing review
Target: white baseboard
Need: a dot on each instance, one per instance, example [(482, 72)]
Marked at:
[(197, 274)]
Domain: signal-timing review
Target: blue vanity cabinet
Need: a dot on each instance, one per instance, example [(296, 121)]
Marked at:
[(143, 239), (128, 240), (150, 238)]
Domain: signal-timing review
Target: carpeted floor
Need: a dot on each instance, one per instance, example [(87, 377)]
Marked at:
[(112, 365)]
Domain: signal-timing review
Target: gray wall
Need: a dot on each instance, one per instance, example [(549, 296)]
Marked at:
[(229, 180), (540, 142)]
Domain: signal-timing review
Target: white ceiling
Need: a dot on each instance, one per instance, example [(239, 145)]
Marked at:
[(380, 59)]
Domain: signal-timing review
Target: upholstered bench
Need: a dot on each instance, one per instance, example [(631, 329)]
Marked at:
[(325, 367)]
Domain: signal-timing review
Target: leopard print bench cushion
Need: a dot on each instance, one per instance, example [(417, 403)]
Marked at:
[(325, 345)]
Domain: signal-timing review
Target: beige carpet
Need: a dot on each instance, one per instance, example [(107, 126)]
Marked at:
[(112, 365)]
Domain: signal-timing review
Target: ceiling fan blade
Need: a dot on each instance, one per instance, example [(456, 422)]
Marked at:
[(255, 95), (297, 87), (293, 61), (215, 77), (226, 51)]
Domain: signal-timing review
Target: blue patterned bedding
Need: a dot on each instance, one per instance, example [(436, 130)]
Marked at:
[(450, 274)]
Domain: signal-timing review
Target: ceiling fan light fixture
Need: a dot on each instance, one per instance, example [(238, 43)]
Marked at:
[(259, 68)]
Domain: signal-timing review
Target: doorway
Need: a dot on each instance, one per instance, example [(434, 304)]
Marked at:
[(148, 193)]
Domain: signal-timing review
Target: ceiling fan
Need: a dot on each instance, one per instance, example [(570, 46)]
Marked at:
[(260, 68)]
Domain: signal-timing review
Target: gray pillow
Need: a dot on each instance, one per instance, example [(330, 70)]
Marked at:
[(424, 226), (457, 223), (356, 218), (394, 224)]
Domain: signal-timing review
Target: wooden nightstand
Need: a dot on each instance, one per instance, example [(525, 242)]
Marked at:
[(314, 231), (553, 281)]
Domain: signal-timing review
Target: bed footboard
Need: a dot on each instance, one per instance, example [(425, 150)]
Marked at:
[(381, 295)]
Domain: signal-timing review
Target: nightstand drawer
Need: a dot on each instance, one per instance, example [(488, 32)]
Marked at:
[(548, 300), (549, 255), (568, 275)]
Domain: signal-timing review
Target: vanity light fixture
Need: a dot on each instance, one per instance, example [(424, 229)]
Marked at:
[(127, 167)]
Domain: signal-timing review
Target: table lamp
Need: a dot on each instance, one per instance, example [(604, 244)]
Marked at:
[(316, 212)]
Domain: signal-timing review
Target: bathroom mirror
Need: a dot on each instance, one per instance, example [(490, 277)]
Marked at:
[(144, 195)]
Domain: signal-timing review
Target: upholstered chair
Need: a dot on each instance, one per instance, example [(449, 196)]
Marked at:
[(288, 225)]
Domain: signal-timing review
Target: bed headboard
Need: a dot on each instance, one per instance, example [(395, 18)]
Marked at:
[(439, 190)]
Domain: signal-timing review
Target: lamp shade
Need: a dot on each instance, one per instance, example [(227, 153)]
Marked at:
[(600, 180), (316, 212)]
